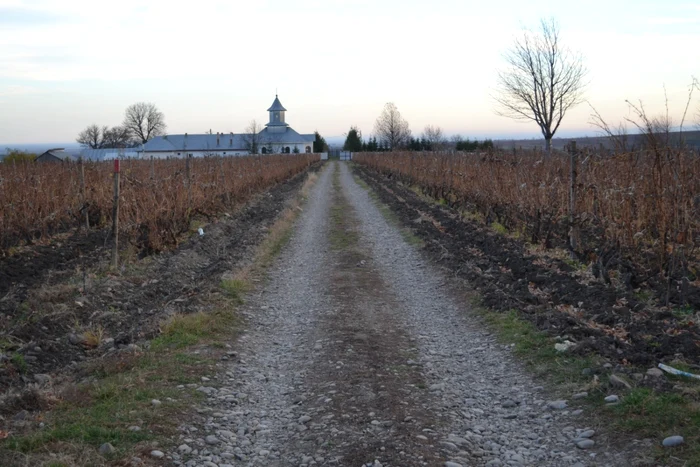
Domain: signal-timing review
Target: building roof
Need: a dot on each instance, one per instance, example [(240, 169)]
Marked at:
[(202, 142), (58, 153), (227, 141), (276, 106), (110, 153), (289, 136)]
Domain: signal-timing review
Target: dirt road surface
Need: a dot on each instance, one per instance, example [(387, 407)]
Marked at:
[(360, 352)]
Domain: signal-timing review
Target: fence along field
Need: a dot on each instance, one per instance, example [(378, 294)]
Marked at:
[(637, 213), (157, 201)]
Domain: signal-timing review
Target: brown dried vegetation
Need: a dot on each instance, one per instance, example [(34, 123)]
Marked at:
[(637, 212), (158, 198)]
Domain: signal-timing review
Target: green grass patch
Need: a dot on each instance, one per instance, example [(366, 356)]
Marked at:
[(684, 311), (574, 263), (644, 412), (342, 235), (183, 330), (536, 349), (91, 414), (499, 228), (19, 362), (235, 289), (644, 295), (280, 242)]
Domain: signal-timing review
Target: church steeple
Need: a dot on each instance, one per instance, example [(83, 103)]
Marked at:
[(277, 115)]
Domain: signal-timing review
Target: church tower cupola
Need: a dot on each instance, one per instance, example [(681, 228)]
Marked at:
[(277, 123)]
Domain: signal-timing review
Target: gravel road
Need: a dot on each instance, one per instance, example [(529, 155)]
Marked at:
[(357, 352)]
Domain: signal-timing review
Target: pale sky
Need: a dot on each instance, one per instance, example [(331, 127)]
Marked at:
[(216, 64)]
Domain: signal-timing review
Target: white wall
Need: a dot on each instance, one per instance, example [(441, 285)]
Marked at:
[(277, 148), (173, 154)]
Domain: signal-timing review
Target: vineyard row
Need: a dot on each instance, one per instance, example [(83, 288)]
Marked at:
[(643, 206), (157, 200)]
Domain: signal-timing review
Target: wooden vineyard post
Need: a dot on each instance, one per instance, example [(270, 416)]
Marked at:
[(83, 196), (115, 217), (153, 169), (189, 182), (223, 182), (572, 198)]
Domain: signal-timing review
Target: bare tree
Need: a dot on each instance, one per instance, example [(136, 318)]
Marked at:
[(251, 136), (91, 137), (144, 121), (116, 137), (434, 136), (391, 128), (542, 81)]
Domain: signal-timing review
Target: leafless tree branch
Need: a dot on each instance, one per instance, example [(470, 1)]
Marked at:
[(435, 136), (542, 80), (144, 121), (251, 136), (391, 128)]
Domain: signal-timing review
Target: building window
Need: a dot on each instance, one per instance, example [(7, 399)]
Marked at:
[(264, 150), (224, 153), (308, 149), (178, 153)]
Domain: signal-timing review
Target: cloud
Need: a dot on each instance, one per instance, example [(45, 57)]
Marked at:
[(17, 90), (670, 21), (15, 16)]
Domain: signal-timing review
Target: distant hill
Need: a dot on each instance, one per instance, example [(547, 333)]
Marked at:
[(691, 138), (39, 148)]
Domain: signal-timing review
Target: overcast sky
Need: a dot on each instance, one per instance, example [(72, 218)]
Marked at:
[(216, 64)]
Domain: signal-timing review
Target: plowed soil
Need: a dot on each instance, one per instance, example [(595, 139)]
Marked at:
[(549, 292), (50, 295)]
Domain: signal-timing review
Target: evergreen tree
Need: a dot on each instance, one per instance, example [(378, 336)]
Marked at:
[(320, 143), (425, 144), (353, 142)]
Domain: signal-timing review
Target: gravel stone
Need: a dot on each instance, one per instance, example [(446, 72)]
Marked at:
[(42, 379), (619, 382), (672, 441), (585, 443), (106, 448), (557, 405)]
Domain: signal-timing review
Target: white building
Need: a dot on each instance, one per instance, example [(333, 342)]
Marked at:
[(277, 137)]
